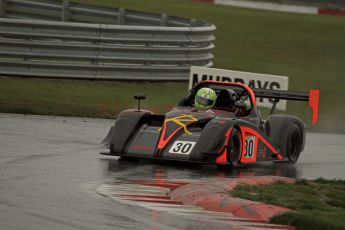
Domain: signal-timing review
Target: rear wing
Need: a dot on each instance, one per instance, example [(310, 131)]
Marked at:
[(312, 97)]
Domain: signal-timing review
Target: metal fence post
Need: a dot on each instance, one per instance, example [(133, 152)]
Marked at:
[(2, 8), (120, 16), (64, 13), (164, 20), (193, 22)]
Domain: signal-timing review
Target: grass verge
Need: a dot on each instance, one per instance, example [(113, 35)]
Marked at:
[(317, 204), (84, 98)]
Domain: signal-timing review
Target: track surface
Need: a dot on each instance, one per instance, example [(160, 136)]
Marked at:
[(50, 169)]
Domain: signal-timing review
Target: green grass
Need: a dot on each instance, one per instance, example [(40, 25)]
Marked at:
[(84, 98), (309, 49), (318, 204)]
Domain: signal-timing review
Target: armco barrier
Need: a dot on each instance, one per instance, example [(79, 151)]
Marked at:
[(49, 38)]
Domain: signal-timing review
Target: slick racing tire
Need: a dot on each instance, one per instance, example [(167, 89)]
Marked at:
[(294, 143), (234, 148)]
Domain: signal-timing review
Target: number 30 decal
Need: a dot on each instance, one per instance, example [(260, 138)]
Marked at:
[(182, 147), (250, 144)]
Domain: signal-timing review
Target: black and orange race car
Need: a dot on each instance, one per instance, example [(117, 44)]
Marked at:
[(224, 135)]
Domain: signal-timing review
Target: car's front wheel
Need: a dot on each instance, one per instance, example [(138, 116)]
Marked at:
[(234, 148)]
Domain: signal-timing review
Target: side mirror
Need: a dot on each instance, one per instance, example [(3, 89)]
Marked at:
[(139, 96)]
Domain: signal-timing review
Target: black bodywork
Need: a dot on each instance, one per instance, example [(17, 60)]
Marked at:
[(188, 134)]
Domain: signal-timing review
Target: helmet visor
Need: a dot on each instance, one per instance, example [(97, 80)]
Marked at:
[(204, 101)]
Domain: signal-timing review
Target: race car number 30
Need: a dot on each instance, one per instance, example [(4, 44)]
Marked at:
[(182, 147), (250, 144)]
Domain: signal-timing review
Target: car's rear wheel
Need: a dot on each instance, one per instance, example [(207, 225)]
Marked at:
[(234, 148), (294, 143)]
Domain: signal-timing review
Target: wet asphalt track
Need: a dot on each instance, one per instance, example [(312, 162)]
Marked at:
[(50, 168)]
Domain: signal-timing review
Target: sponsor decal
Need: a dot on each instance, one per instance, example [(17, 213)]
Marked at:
[(253, 80)]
